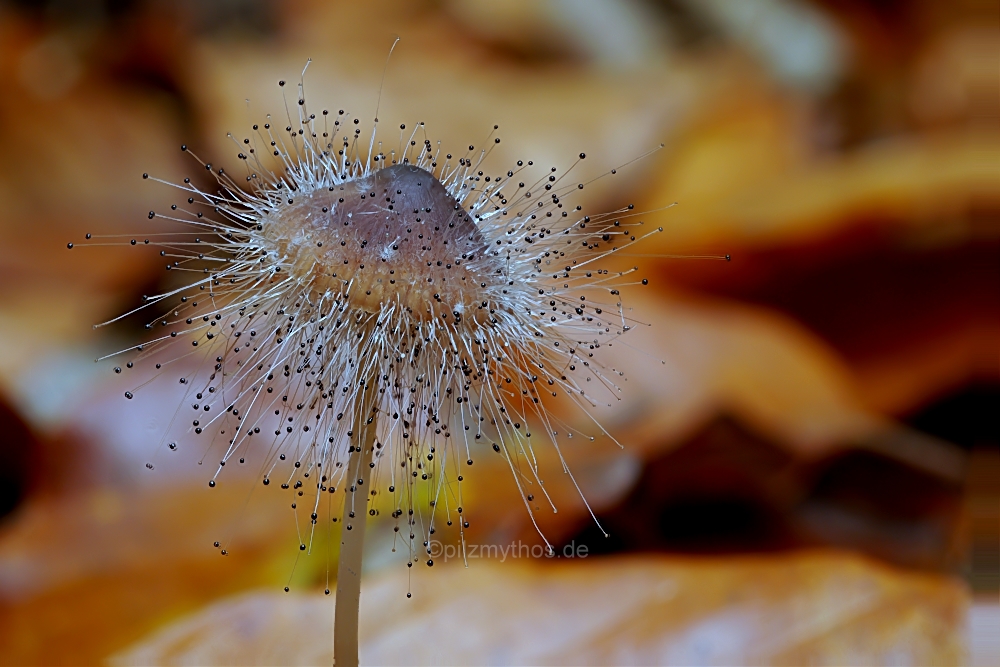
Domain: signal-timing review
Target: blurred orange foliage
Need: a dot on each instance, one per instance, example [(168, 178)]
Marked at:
[(858, 201)]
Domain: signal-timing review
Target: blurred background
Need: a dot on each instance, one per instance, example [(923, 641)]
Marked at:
[(813, 476)]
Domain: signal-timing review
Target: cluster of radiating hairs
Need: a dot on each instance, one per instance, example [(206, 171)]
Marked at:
[(455, 302)]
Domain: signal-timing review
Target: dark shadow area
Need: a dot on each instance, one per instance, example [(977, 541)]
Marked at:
[(729, 491), (967, 417), (19, 448)]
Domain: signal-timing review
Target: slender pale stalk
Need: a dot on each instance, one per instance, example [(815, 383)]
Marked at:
[(352, 531)]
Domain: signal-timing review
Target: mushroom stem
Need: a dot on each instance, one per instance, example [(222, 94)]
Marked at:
[(352, 531)]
